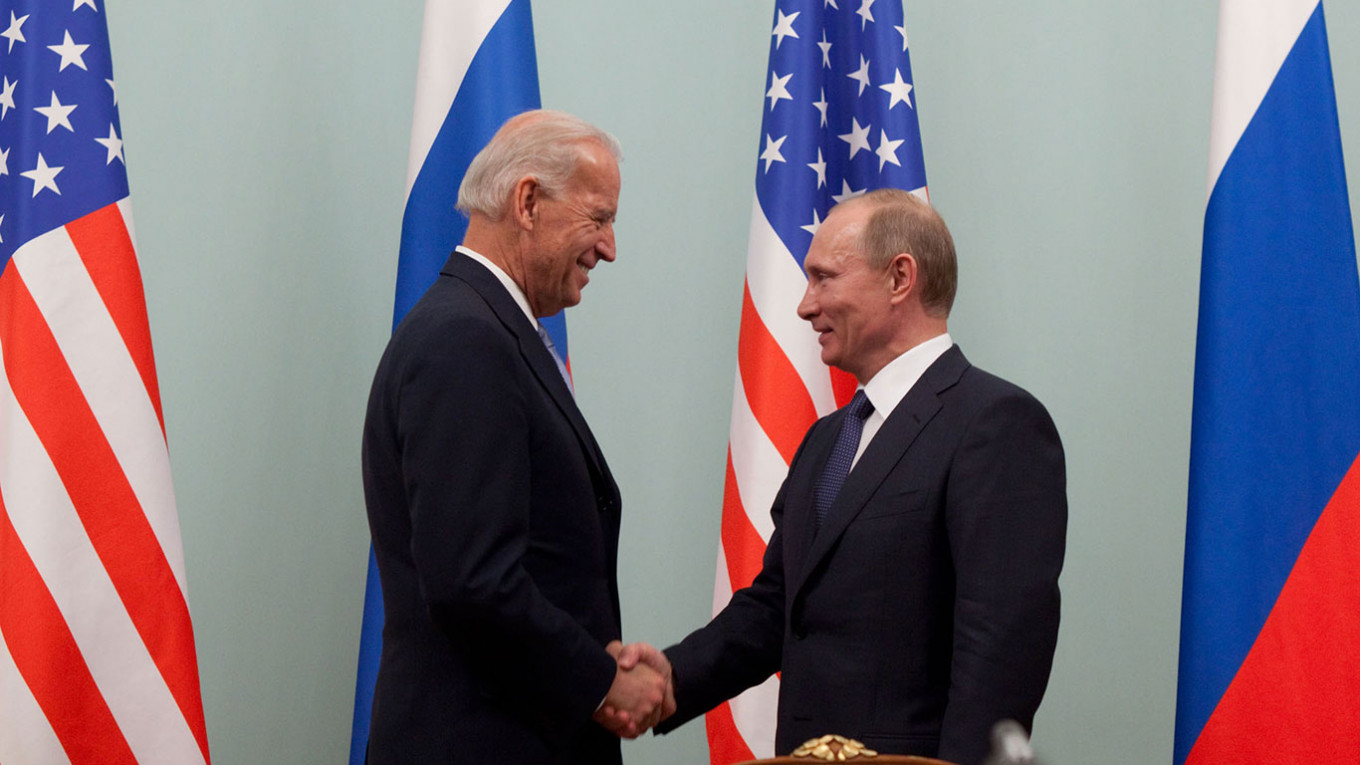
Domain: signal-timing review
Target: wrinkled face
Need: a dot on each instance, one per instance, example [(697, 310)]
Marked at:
[(847, 301), (573, 231)]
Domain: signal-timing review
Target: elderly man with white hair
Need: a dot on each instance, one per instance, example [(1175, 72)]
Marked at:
[(494, 516)]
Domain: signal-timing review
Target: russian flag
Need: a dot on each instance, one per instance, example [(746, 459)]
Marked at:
[(1270, 619), (477, 69)]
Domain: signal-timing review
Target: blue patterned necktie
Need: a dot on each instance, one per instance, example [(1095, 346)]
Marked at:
[(842, 454), (561, 367)]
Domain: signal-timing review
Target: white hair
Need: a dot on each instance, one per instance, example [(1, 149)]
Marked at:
[(541, 143)]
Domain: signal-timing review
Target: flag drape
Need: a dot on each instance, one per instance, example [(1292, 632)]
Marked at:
[(839, 120), (1269, 624), (477, 69), (97, 660)]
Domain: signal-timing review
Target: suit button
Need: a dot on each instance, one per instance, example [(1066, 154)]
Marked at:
[(799, 633)]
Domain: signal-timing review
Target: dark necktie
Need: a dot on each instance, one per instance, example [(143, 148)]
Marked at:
[(561, 367), (842, 454)]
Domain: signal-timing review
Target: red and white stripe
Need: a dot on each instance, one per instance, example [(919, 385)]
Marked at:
[(97, 660)]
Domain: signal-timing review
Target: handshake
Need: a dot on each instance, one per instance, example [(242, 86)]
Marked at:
[(642, 694)]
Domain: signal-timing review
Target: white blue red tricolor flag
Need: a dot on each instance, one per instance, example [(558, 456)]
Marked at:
[(97, 660), (1270, 619), (840, 119), (477, 69)]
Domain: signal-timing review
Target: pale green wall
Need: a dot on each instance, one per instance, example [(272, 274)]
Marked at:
[(1065, 142)]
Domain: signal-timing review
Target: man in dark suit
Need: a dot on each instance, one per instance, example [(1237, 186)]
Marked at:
[(494, 517), (912, 603)]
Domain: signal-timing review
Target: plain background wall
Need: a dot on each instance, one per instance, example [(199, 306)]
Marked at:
[(1065, 143)]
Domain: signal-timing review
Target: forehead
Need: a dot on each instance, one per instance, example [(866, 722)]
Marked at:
[(836, 243), (597, 173)]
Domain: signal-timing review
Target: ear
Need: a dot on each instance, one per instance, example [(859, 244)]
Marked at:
[(525, 197), (902, 276)]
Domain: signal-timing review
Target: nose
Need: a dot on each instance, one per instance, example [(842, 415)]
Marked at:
[(807, 307), (605, 247)]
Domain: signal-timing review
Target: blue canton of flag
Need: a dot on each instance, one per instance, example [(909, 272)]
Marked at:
[(840, 115), (61, 154)]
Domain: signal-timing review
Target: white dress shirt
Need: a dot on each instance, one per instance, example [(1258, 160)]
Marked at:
[(892, 383)]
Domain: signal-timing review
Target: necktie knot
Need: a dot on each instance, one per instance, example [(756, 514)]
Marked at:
[(860, 406), (552, 350), (546, 338)]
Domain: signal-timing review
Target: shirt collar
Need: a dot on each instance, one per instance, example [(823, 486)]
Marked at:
[(892, 383), (510, 286)]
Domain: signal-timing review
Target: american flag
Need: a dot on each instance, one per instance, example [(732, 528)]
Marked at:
[(840, 119), (97, 656)]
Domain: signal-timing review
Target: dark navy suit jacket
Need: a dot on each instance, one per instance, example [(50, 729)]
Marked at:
[(495, 525), (926, 608)]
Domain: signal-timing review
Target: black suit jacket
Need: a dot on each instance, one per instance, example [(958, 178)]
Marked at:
[(926, 608), (495, 525)]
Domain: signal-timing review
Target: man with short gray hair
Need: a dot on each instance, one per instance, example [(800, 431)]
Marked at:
[(494, 516)]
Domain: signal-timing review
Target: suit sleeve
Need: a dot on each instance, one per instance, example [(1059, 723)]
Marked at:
[(744, 643), (464, 440), (1007, 520)]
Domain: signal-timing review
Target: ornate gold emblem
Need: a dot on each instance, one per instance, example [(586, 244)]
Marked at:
[(830, 748)]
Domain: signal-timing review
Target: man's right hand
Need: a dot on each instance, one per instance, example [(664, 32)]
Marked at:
[(631, 655), (636, 701)]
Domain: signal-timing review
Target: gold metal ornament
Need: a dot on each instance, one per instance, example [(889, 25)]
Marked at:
[(832, 748)]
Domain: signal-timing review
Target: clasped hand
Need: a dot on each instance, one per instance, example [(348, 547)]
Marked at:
[(642, 694)]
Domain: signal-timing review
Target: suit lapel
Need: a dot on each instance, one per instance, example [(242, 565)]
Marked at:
[(890, 446), (531, 347)]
